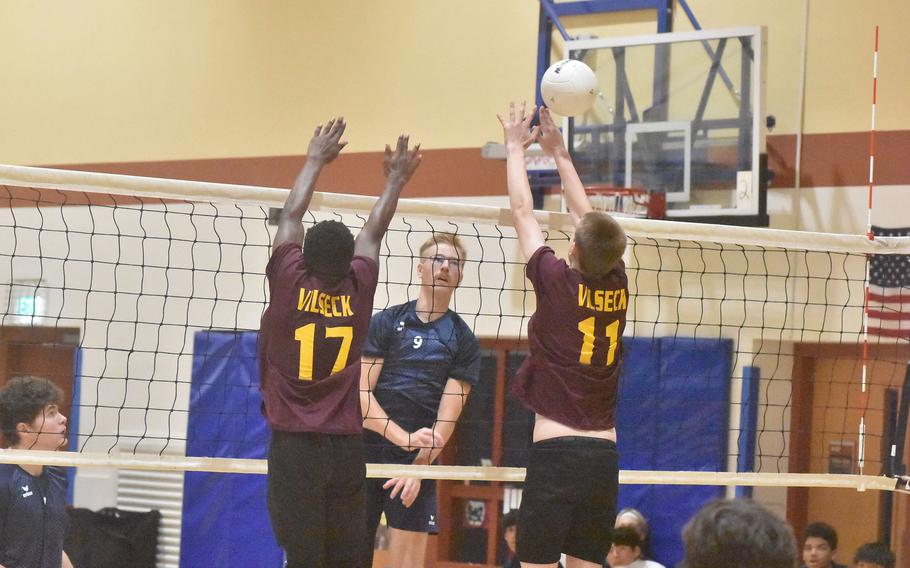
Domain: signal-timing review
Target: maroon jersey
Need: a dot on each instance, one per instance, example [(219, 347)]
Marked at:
[(309, 344), (572, 372)]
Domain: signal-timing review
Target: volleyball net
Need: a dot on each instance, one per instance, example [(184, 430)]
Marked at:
[(744, 347)]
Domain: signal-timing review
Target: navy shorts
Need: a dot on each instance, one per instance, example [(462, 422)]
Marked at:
[(419, 517), (569, 500)]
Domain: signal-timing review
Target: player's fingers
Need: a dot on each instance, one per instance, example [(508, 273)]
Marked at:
[(318, 129), (396, 487), (409, 495), (340, 126), (524, 105), (512, 111), (328, 126)]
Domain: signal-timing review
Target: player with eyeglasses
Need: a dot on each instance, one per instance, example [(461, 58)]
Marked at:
[(419, 363)]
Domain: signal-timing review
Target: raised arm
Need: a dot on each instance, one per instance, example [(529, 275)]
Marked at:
[(552, 143), (324, 147), (399, 166), (518, 137)]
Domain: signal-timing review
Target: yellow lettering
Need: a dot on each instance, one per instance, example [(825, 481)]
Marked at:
[(602, 300), (335, 312), (300, 300), (307, 300), (311, 305), (326, 305), (346, 306)]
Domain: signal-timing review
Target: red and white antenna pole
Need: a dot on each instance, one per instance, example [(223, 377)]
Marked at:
[(864, 396)]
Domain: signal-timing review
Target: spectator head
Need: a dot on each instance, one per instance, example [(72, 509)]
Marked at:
[(819, 545), (738, 534), (873, 555), (626, 547), (630, 517)]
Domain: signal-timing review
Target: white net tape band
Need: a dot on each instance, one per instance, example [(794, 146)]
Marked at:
[(458, 473), (90, 182)]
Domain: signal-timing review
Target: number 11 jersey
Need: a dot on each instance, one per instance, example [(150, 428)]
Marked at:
[(572, 372), (310, 340)]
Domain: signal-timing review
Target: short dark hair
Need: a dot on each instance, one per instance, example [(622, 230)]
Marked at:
[(328, 249), (626, 536), (22, 400), (876, 553), (738, 533), (600, 241), (823, 531)]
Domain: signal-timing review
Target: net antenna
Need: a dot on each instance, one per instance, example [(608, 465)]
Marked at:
[(870, 234)]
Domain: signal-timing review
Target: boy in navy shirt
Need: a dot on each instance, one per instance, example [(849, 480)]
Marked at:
[(33, 520), (420, 362)]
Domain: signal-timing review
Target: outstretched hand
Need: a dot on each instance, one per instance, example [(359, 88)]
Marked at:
[(326, 142), (516, 128), (550, 138), (401, 163)]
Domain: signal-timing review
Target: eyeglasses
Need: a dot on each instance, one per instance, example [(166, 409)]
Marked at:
[(439, 260)]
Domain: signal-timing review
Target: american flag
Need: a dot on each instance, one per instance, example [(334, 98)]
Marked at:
[(889, 290)]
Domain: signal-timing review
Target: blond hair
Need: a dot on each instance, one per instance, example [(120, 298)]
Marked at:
[(450, 239), (600, 241)]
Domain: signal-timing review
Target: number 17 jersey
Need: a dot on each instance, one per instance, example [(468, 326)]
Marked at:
[(310, 340), (571, 374)]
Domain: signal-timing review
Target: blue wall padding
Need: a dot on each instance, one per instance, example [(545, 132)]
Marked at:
[(748, 425), (72, 423), (225, 520), (673, 416)]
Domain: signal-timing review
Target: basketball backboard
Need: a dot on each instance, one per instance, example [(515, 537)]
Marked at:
[(681, 113)]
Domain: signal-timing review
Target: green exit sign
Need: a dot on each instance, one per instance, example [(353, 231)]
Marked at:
[(27, 306)]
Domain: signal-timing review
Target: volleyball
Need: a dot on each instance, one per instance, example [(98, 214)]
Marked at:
[(568, 87)]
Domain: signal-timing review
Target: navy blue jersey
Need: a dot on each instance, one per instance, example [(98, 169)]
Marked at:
[(419, 358), (33, 520)]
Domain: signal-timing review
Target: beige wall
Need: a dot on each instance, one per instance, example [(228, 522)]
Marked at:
[(132, 80)]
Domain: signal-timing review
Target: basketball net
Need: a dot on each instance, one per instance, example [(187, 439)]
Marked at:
[(628, 201)]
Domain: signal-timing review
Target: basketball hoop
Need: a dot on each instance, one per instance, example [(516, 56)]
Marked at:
[(628, 201)]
